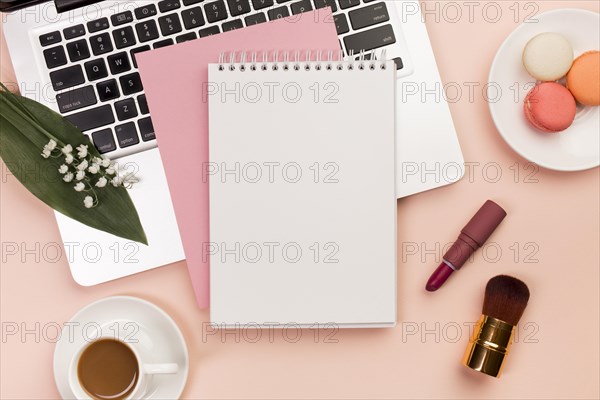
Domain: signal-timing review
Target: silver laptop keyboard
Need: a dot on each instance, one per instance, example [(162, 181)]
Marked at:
[(93, 69)]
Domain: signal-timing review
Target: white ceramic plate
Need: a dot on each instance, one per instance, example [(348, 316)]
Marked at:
[(136, 319), (578, 147)]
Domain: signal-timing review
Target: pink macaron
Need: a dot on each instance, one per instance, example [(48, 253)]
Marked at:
[(550, 107)]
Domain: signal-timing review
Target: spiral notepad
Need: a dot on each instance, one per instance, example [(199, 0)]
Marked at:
[(302, 190)]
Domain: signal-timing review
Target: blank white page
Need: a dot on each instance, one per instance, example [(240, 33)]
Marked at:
[(302, 194)]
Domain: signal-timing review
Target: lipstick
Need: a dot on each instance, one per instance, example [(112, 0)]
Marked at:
[(472, 236)]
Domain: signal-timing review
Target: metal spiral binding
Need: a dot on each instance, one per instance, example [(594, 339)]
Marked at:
[(332, 61)]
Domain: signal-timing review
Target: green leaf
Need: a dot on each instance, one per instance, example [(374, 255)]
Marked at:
[(25, 127)]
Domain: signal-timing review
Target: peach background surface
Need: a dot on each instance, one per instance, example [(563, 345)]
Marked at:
[(550, 239)]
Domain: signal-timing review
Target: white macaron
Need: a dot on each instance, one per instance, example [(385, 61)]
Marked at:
[(548, 56)]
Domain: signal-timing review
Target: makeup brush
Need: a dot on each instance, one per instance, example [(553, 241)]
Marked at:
[(504, 303)]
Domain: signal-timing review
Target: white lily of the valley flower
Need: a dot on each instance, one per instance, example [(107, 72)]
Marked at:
[(83, 165), (116, 182), (101, 182), (68, 177), (67, 149), (129, 180), (63, 169), (51, 145), (105, 162), (88, 202), (82, 151), (69, 158), (80, 175), (79, 187), (96, 160), (110, 171), (46, 153), (94, 169)]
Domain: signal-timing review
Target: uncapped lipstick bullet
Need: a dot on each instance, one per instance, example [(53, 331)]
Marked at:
[(472, 236)]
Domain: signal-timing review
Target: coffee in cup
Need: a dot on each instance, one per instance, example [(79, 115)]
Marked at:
[(108, 369)]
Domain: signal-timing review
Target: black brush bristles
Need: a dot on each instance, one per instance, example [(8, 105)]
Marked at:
[(505, 298)]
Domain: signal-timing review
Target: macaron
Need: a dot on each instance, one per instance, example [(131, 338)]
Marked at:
[(583, 80), (550, 107), (548, 56)]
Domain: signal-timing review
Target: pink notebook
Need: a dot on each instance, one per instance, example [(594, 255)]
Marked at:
[(173, 78)]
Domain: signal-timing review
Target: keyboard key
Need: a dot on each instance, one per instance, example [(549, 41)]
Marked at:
[(366, 56), (145, 11), (104, 141), (143, 104), (131, 83), (78, 50), (399, 63), (101, 44), (260, 4), (96, 69), (190, 2), (55, 57), (119, 63), (277, 13), (163, 43), (238, 7), (92, 118), (341, 23), (186, 37), (348, 3), (192, 18), (67, 77), (215, 11), (147, 31), (136, 51), (75, 99), (371, 39), (146, 129), (169, 24), (301, 6), (127, 135), (211, 30), (124, 37), (165, 6), (326, 3), (121, 18), (74, 31), (254, 19), (108, 90), (231, 25), (50, 38), (126, 109), (369, 15), (98, 25)]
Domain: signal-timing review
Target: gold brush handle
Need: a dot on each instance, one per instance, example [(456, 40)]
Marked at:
[(489, 345)]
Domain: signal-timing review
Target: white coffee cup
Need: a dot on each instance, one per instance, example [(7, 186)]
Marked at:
[(146, 371)]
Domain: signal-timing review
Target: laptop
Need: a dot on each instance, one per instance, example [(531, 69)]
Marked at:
[(78, 57)]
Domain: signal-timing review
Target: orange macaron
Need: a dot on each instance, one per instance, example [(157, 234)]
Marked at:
[(583, 79)]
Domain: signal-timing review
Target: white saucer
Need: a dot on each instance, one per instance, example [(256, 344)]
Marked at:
[(136, 319), (578, 147)]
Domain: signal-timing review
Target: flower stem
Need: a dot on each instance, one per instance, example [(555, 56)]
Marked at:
[(34, 122)]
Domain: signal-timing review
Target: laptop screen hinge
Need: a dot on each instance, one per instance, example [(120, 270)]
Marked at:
[(68, 5)]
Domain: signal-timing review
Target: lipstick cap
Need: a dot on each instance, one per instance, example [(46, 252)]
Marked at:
[(489, 346), (484, 222)]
